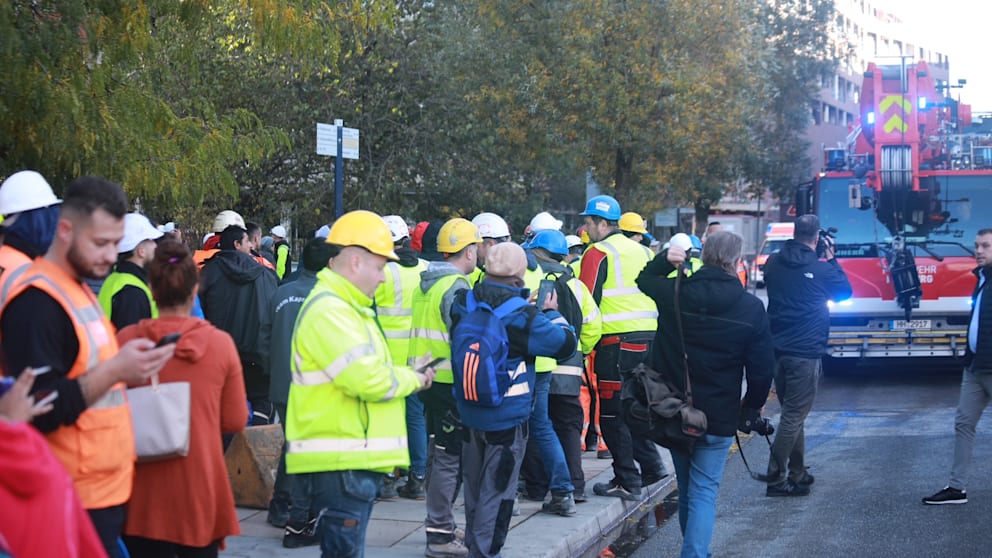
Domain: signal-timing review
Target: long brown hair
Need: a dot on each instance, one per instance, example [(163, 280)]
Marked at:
[(172, 274)]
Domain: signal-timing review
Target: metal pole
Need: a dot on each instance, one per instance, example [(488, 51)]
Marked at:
[(339, 173)]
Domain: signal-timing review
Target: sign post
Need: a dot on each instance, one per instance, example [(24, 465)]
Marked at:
[(342, 143)]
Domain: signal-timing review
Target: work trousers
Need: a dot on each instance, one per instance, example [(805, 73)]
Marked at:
[(592, 435), (616, 356), (976, 391), (565, 412), (491, 463), (795, 385), (445, 424)]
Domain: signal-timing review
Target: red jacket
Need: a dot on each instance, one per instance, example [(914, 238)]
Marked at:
[(41, 515)]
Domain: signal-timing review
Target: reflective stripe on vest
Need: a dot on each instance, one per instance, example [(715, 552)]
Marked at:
[(13, 264), (331, 371), (624, 307), (396, 309), (97, 450), (325, 445)]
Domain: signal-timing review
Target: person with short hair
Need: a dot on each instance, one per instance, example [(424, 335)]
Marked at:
[(726, 339), (799, 286), (53, 319), (234, 292), (976, 380), (193, 492)]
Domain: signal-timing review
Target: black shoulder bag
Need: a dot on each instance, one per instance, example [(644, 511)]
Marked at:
[(656, 409)]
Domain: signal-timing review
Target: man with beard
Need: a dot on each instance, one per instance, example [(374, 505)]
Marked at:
[(52, 319)]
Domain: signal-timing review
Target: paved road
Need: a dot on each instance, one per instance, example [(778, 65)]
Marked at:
[(877, 441)]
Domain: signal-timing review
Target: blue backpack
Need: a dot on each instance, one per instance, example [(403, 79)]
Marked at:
[(479, 349)]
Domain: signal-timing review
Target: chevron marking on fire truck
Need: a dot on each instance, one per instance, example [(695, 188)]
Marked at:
[(895, 122)]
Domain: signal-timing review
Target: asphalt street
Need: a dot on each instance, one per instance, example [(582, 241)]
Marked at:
[(877, 441)]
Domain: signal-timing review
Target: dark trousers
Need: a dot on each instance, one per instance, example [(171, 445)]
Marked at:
[(444, 423), (109, 524), (257, 389), (566, 418), (616, 356), (140, 547), (491, 463)]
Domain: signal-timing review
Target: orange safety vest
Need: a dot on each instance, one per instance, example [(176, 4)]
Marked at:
[(98, 449), (201, 256), (265, 262), (13, 264), (742, 273)]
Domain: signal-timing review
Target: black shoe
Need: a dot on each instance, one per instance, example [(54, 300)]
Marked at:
[(787, 488), (580, 496), (278, 513), (615, 489), (387, 490), (413, 489), (807, 479), (561, 504), (604, 454), (651, 478), (947, 496), (298, 536)]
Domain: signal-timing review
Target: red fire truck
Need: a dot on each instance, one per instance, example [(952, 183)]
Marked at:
[(906, 197)]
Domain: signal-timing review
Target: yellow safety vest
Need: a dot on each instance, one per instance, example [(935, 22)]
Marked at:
[(592, 322), (394, 306), (113, 285), (429, 331), (346, 403), (624, 307)]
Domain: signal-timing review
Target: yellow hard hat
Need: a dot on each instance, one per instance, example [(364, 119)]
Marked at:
[(584, 237), (632, 222), (456, 234), (365, 229)]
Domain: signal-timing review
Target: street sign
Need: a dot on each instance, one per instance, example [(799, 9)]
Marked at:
[(327, 141)]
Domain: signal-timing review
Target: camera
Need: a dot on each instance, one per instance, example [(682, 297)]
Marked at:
[(822, 241), (752, 421)]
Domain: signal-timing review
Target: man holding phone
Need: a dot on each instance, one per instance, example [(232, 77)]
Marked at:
[(52, 319)]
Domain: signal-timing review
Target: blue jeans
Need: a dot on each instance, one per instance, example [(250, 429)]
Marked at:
[(345, 500), (542, 435), (699, 477), (416, 434)]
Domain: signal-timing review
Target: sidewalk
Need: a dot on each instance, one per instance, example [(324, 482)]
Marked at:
[(396, 529)]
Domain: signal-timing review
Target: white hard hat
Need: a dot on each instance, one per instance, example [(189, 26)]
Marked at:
[(168, 227), (323, 232), (227, 218), (491, 225), (544, 221), (681, 240), (24, 191), (397, 227), (137, 229), (279, 231), (572, 240)]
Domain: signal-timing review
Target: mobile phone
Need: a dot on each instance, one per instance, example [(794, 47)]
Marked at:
[(432, 364), (168, 340), (40, 370), (546, 288)]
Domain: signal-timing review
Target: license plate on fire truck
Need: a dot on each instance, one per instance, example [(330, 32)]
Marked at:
[(910, 324)]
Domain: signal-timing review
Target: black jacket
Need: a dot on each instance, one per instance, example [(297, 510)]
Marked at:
[(726, 335), (981, 362), (234, 291), (799, 286)]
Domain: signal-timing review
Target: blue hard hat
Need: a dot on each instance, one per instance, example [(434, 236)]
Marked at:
[(696, 243), (603, 206), (551, 240)]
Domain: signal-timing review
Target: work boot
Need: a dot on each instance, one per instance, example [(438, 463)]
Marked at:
[(413, 489), (387, 490), (604, 454), (299, 535), (616, 490), (561, 504), (278, 512), (454, 548)]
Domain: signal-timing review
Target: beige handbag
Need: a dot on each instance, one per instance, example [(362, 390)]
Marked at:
[(160, 415)]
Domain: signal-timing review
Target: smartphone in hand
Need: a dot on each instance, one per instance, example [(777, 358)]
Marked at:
[(168, 340), (544, 291), (431, 364)]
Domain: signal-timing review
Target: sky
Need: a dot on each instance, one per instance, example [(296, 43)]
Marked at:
[(959, 29)]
